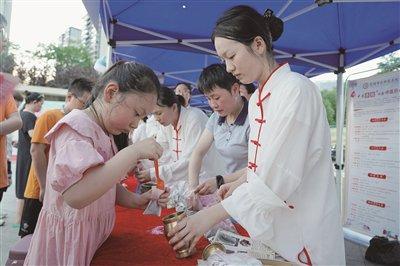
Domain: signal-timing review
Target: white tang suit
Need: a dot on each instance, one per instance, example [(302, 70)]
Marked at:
[(289, 201)]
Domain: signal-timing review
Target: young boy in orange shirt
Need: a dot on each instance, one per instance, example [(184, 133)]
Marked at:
[(78, 94)]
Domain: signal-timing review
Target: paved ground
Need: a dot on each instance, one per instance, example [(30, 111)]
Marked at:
[(9, 233)]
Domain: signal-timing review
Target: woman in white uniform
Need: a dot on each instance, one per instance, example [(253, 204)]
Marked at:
[(183, 135), (149, 127), (289, 201)]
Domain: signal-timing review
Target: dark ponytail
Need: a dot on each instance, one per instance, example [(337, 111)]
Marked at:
[(167, 98), (274, 24), (243, 23), (32, 97), (181, 100)]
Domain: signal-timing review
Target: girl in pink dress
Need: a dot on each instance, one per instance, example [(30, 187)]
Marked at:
[(85, 168)]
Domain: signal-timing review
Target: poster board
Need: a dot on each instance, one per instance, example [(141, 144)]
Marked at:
[(371, 198)]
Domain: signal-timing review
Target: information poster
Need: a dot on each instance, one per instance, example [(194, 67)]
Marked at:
[(372, 199)]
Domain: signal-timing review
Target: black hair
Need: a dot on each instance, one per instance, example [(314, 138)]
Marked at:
[(187, 86), (130, 76), (121, 141), (181, 100), (18, 96), (32, 97), (250, 88), (215, 75), (243, 23), (79, 86), (167, 98)]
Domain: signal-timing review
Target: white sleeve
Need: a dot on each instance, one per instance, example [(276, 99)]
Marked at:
[(178, 170), (139, 133), (285, 142)]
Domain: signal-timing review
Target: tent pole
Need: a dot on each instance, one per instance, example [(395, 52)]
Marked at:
[(339, 128), (109, 56)]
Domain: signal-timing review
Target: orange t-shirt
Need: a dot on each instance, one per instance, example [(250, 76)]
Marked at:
[(6, 109), (43, 125)]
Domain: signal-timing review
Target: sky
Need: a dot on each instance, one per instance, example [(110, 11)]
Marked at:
[(34, 22), (39, 21)]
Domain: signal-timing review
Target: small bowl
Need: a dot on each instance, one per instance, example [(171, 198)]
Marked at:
[(170, 221), (212, 248)]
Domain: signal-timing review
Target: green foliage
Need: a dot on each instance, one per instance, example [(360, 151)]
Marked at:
[(7, 58), (22, 72), (391, 63), (69, 63), (65, 56), (329, 100)]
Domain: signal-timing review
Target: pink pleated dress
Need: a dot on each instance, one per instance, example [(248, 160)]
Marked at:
[(64, 235)]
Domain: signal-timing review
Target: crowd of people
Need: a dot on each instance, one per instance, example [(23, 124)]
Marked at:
[(264, 151)]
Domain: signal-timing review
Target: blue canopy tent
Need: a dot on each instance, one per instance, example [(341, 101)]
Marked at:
[(317, 33), (164, 61), (173, 37)]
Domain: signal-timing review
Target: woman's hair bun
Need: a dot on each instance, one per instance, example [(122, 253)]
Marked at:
[(181, 100), (274, 24)]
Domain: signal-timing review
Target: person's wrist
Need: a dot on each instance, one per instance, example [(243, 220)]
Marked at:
[(192, 185)]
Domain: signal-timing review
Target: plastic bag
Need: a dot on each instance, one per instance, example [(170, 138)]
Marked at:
[(223, 259), (153, 208)]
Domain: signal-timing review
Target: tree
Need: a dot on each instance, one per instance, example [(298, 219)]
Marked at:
[(391, 63), (64, 76), (38, 76), (69, 62), (329, 100), (22, 73), (7, 58), (65, 56)]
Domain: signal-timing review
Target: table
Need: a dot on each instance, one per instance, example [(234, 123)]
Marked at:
[(131, 242)]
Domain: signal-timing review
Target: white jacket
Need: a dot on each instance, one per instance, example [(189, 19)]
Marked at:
[(289, 201), (181, 143), (152, 128)]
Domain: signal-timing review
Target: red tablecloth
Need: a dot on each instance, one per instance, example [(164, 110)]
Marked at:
[(132, 243)]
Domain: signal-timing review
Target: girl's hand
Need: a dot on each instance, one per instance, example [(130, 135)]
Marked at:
[(143, 176), (143, 200), (147, 149), (206, 188), (146, 197), (135, 170), (163, 200)]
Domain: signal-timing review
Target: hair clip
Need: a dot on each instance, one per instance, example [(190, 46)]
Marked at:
[(268, 13)]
